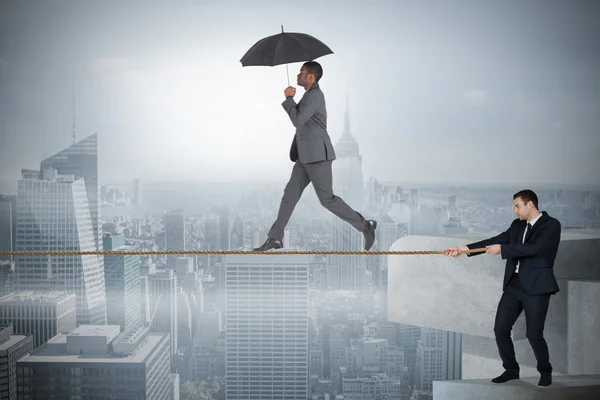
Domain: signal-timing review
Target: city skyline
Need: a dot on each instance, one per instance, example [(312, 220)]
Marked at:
[(303, 310), (134, 128)]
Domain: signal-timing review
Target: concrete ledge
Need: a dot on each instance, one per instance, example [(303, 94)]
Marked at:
[(581, 387), (461, 295)]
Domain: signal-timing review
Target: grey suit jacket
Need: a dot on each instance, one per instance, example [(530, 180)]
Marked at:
[(311, 142)]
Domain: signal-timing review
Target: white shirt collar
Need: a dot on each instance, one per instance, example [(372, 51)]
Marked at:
[(533, 221)]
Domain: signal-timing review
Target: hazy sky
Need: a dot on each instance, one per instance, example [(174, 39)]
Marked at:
[(459, 90)]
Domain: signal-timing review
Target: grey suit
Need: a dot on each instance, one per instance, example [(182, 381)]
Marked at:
[(313, 154)]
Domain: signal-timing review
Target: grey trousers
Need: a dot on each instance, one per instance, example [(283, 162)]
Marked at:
[(320, 175)]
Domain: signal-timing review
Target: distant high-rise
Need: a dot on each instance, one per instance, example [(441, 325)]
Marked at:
[(267, 327), (6, 270), (347, 168), (81, 161), (212, 229), (348, 184), (53, 214), (237, 233), (225, 224), (8, 224), (183, 267), (185, 317), (123, 286), (209, 324), (174, 221), (452, 203), (163, 300), (145, 305), (137, 192)]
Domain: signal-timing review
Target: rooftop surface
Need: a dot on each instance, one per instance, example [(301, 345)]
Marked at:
[(31, 296), (93, 330), (14, 339), (55, 351)]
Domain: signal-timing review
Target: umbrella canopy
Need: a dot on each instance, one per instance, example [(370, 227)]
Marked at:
[(285, 48)]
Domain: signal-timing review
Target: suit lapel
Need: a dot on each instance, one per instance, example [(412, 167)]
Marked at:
[(521, 233)]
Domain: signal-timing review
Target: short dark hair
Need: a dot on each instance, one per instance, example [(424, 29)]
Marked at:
[(314, 68), (527, 195)]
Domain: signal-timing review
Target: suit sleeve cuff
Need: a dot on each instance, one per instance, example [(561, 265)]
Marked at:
[(503, 251), (288, 102), (468, 246)]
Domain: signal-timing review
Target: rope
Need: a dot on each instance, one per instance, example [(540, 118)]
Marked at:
[(226, 252)]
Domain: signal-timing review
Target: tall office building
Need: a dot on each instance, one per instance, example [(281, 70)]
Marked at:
[(207, 330), (123, 286), (145, 305), (53, 214), (338, 339), (174, 221), (225, 224), (439, 358), (12, 348), (137, 192), (8, 225), (267, 327), (42, 315), (185, 316), (184, 266), (81, 161), (98, 362), (348, 184), (212, 231), (163, 298), (6, 275)]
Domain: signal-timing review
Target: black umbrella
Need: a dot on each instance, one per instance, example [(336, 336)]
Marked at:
[(285, 48)]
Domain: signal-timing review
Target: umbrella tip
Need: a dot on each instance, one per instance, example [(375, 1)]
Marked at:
[(281, 28)]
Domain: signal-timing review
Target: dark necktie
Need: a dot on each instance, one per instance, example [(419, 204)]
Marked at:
[(528, 232)]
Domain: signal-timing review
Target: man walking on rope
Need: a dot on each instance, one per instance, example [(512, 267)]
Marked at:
[(313, 154), (529, 247)]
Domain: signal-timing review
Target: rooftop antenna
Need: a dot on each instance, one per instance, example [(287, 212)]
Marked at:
[(347, 97), (73, 127)]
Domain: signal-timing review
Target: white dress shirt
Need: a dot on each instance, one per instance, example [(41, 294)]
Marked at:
[(532, 222)]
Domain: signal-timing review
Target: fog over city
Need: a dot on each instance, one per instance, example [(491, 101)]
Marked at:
[(438, 91), (132, 128)]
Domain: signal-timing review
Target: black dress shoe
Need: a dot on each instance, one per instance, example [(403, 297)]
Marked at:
[(269, 244), (505, 377), (545, 379), (369, 234)]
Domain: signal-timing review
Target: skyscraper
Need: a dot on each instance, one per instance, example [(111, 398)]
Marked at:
[(137, 192), (174, 221), (81, 161), (438, 358), (347, 168), (53, 214), (267, 327), (8, 224), (348, 184), (225, 224), (163, 297), (123, 286)]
